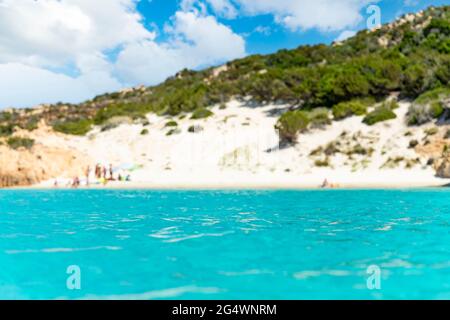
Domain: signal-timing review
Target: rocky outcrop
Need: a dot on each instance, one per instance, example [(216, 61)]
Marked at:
[(28, 167), (442, 166), (437, 151)]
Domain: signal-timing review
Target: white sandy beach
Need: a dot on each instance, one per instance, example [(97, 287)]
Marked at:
[(237, 147)]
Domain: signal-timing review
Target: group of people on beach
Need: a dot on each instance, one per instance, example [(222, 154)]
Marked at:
[(100, 175), (104, 174), (328, 185)]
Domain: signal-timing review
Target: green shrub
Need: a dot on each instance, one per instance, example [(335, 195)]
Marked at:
[(392, 104), (427, 107), (413, 144), (171, 124), (172, 132), (6, 116), (319, 117), (73, 127), (360, 150), (431, 131), (114, 122), (436, 109), (419, 114), (392, 163), (438, 25), (316, 152), (195, 129), (414, 80), (31, 124), (6, 130), (380, 114), (144, 132), (201, 113), (350, 108), (291, 124), (433, 95), (322, 163), (131, 110), (109, 126), (332, 148), (19, 142)]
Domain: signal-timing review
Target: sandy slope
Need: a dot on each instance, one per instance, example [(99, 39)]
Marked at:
[(237, 147)]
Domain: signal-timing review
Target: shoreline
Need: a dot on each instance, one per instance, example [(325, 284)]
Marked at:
[(251, 185), (144, 187)]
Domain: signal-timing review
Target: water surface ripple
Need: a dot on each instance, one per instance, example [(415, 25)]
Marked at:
[(225, 244)]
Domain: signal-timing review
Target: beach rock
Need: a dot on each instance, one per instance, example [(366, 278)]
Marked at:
[(442, 165), (28, 167), (443, 170)]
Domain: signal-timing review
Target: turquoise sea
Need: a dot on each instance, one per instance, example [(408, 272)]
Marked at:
[(137, 244)]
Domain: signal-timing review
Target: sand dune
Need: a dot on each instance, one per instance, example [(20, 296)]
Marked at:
[(238, 147)]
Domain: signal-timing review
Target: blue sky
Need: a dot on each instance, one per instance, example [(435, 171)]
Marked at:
[(72, 50), (158, 12)]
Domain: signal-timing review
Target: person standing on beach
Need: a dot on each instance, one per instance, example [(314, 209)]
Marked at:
[(97, 171), (75, 182), (88, 171), (111, 172)]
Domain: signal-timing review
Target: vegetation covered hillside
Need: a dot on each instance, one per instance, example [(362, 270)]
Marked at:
[(410, 56)]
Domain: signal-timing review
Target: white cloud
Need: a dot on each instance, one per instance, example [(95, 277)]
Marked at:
[(27, 85), (224, 8), (196, 41), (196, 6), (410, 3), (325, 15), (148, 62), (54, 33), (206, 40), (344, 35), (39, 37), (263, 30)]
